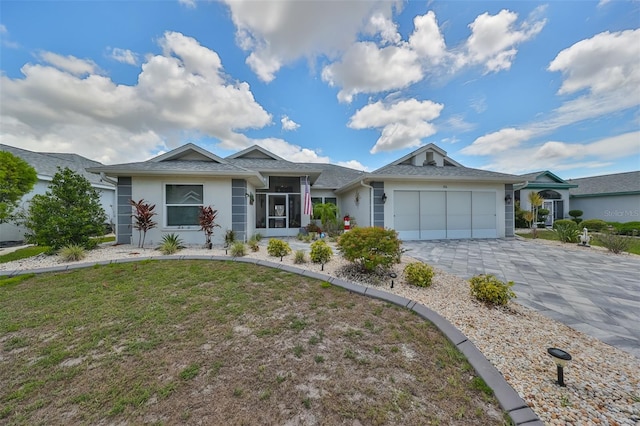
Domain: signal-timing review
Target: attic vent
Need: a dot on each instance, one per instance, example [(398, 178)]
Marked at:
[(429, 161)]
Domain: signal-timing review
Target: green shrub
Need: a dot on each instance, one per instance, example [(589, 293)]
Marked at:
[(575, 213), (564, 222), (171, 243), (576, 220), (614, 242), (238, 249), (253, 244), (489, 289), (72, 253), (567, 232), (419, 274), (299, 257), (594, 225), (320, 252), (370, 247), (278, 248), (229, 237), (258, 236), (627, 228)]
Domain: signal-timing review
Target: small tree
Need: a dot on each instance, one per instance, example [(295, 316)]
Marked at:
[(68, 213), (327, 213), (17, 178), (320, 253), (143, 215), (207, 220), (575, 215), (535, 200)]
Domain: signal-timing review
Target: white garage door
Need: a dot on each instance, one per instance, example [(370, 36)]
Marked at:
[(429, 215)]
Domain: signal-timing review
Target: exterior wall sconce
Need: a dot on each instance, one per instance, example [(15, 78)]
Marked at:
[(561, 358), (384, 197), (507, 199)]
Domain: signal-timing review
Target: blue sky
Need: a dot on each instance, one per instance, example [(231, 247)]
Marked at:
[(510, 86)]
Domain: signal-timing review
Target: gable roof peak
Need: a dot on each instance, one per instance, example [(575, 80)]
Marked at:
[(255, 152), (189, 152), (418, 154)]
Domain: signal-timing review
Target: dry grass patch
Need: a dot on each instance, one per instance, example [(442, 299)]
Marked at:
[(173, 342)]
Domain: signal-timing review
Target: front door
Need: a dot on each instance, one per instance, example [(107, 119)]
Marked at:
[(278, 214)]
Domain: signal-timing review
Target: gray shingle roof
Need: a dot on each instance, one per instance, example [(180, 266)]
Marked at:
[(334, 176), (448, 172), (187, 166), (46, 164), (607, 184), (263, 164)]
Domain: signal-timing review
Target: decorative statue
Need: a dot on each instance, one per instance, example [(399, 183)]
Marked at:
[(585, 238)]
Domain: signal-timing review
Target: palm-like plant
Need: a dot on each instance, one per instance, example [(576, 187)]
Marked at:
[(327, 213), (143, 219), (207, 220), (535, 200)]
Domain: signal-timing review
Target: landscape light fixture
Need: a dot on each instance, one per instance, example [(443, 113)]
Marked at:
[(384, 197), (393, 275), (561, 358)]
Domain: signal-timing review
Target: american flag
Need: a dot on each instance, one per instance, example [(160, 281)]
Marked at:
[(308, 208)]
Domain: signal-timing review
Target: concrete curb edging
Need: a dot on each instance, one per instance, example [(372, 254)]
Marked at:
[(507, 397)]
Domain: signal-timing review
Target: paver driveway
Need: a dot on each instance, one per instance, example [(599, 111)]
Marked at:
[(590, 290)]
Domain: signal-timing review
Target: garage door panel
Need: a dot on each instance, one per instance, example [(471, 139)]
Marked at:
[(433, 215), (484, 215), (459, 214), (406, 207)]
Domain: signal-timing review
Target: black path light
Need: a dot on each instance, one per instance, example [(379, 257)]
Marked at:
[(561, 358), (393, 276)]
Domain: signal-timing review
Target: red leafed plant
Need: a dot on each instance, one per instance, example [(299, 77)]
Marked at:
[(143, 216), (207, 218)]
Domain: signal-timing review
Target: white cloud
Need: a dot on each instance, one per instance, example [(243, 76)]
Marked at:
[(600, 64), (188, 3), (353, 164), (554, 155), (365, 68), (183, 92), (403, 124), (3, 29), (496, 142), (291, 152), (288, 124), (427, 40), (125, 56), (494, 38), (383, 25), (4, 32), (70, 63), (278, 33)]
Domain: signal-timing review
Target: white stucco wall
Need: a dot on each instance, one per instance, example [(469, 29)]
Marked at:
[(216, 193), (360, 210), (614, 208)]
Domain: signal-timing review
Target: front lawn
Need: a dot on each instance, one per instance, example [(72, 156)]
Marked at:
[(174, 342), (548, 234)]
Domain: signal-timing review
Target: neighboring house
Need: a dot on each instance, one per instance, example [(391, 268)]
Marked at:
[(612, 198), (424, 195), (553, 190), (46, 165)]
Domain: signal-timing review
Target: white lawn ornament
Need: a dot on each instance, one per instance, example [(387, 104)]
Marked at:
[(585, 238)]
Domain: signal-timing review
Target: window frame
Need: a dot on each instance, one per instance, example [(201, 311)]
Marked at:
[(166, 205)]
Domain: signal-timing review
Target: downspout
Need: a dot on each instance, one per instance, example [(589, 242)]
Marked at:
[(370, 201)]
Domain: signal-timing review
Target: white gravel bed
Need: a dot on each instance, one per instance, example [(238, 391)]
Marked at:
[(603, 383)]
